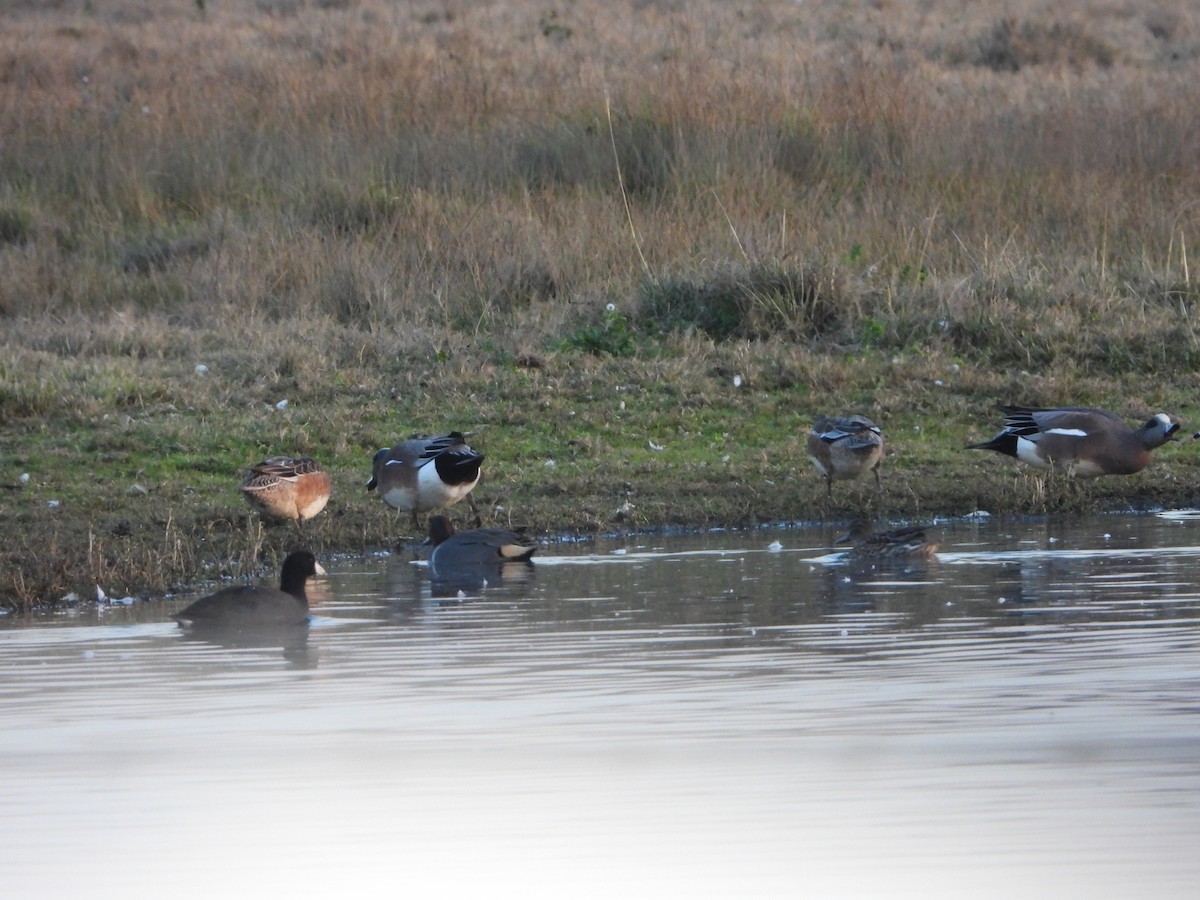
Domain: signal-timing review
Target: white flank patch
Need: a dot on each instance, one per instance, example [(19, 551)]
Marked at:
[(1027, 452), (432, 492), (1067, 432)]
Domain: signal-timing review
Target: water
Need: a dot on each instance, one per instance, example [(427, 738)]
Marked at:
[(698, 716)]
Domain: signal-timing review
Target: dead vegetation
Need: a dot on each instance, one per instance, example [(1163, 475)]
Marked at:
[(401, 217)]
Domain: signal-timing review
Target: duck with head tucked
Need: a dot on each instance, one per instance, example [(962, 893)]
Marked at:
[(471, 560), (1085, 442), (288, 487), (905, 543), (479, 545), (844, 447), (426, 473)]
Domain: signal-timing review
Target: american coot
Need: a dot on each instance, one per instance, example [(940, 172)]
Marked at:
[(907, 543), (1085, 442), (250, 605), (286, 487), (480, 545), (426, 473), (845, 447)]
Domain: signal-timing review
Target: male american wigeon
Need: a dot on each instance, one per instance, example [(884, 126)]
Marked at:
[(286, 487), (1085, 442), (845, 447), (426, 473), (479, 545), (908, 542), (258, 605)]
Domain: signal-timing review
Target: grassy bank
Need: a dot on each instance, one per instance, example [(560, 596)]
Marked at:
[(568, 232)]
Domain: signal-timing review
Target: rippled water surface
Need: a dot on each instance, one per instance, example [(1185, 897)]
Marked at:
[(700, 716)]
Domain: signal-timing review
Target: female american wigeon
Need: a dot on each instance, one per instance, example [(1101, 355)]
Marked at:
[(845, 447), (477, 546), (905, 543), (258, 605), (286, 487), (1085, 442), (426, 473)]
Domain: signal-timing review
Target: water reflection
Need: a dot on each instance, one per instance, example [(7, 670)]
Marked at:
[(706, 712), (453, 580), (291, 640)]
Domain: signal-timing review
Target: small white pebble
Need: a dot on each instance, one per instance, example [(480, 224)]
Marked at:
[(24, 479), (53, 504), (1002, 601), (201, 369), (549, 464), (939, 383), (281, 405), (622, 406), (737, 381)]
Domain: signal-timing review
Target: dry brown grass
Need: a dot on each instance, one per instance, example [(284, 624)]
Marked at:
[(365, 160)]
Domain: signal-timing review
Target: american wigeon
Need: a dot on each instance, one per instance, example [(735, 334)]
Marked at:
[(908, 542), (258, 605), (845, 447), (1085, 442), (287, 487), (477, 546), (426, 473)]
